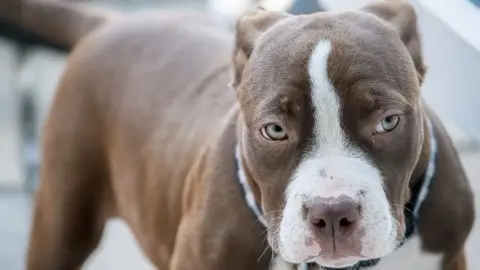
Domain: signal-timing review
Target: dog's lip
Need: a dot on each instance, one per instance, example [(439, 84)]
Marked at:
[(333, 265), (335, 256), (335, 261)]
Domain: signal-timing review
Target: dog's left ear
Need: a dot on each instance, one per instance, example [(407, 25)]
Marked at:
[(401, 14), (249, 27)]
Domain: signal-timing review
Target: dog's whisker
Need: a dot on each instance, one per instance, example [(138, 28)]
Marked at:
[(403, 236), (402, 206), (272, 261), (263, 253)]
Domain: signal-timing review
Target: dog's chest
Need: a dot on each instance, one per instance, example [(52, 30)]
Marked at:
[(410, 257)]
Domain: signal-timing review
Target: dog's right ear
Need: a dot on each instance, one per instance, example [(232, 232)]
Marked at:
[(249, 27)]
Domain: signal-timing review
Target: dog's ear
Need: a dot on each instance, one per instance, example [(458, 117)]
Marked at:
[(401, 14), (249, 27)]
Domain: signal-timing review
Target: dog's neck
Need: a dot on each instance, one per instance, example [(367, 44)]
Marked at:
[(244, 174), (246, 170), (424, 157)]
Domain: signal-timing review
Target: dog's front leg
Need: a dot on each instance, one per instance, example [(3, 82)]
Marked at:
[(184, 255), (209, 244)]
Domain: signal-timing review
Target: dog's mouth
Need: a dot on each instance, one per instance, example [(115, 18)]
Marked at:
[(348, 253), (344, 255), (341, 263), (344, 258), (362, 248)]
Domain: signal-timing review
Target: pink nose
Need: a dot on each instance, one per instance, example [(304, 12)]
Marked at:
[(333, 218)]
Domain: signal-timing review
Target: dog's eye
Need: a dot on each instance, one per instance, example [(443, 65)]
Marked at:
[(387, 124), (274, 132)]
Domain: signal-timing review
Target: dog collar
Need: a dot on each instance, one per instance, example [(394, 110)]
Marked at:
[(247, 191), (411, 212)]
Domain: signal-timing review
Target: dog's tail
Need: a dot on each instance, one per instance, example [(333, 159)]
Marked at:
[(61, 22)]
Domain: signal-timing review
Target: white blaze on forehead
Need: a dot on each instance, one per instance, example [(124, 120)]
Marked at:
[(333, 167), (329, 137)]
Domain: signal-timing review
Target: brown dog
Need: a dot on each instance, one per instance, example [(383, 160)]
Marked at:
[(337, 154)]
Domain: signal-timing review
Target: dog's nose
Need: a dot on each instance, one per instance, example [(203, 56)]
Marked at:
[(333, 217)]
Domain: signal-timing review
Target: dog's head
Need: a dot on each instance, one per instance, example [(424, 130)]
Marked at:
[(332, 127)]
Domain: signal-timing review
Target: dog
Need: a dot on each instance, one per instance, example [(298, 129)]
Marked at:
[(302, 138)]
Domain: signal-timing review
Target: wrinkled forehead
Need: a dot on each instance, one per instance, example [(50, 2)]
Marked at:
[(359, 52)]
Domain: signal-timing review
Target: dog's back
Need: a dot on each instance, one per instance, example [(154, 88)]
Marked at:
[(138, 99)]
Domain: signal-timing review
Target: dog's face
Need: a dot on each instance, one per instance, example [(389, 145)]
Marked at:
[(333, 127)]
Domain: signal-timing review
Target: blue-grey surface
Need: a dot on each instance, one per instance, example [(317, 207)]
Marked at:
[(305, 7), (15, 212), (476, 2)]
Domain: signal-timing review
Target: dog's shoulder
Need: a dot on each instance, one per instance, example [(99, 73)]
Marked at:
[(214, 169), (223, 225)]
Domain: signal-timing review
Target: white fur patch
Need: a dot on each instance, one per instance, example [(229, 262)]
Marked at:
[(333, 167), (279, 264)]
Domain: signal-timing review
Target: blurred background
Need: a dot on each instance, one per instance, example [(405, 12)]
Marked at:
[(30, 69)]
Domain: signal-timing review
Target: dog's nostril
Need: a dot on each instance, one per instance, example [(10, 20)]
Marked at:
[(322, 224), (344, 222)]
